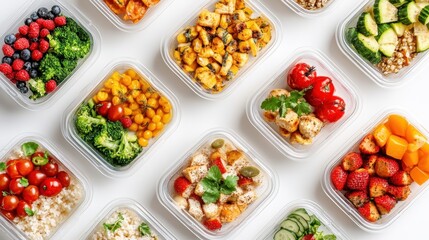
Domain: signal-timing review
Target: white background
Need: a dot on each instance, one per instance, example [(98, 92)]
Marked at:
[(297, 179)]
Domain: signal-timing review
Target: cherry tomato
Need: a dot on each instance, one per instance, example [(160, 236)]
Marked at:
[(8, 214), (4, 182), (322, 90), (115, 113), (50, 169), (301, 76), (64, 178), (24, 166), (11, 169), (20, 209), (16, 185), (331, 110), (9, 202), (39, 158), (50, 187), (103, 108), (30, 193), (36, 177)]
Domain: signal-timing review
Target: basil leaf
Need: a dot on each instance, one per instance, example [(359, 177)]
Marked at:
[(29, 148)]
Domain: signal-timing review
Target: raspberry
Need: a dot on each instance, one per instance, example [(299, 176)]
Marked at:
[(23, 30), (36, 55), (33, 31), (43, 45), (17, 64), (8, 50), (21, 44), (40, 21), (60, 21), (5, 68), (49, 24), (50, 86), (34, 46), (44, 32), (22, 75), (11, 77), (126, 122), (18, 35)]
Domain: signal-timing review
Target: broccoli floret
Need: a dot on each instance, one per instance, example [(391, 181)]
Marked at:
[(74, 27), (85, 122), (128, 149), (49, 67), (68, 65), (115, 129), (37, 87), (105, 143)]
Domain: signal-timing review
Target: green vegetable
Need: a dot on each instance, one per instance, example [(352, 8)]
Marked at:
[(29, 148), (29, 211), (295, 102), (4, 193), (2, 166), (24, 182), (218, 143), (40, 161), (214, 185), (249, 171), (114, 226), (144, 230), (37, 87)]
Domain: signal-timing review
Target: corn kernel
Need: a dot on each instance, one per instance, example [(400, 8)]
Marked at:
[(141, 99)]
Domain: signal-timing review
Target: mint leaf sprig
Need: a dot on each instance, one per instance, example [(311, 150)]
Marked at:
[(295, 101), (214, 185)]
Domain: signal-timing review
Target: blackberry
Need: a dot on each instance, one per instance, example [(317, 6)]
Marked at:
[(20, 84)]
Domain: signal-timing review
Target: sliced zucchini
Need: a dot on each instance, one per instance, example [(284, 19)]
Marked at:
[(422, 36), (399, 28), (398, 3), (290, 225), (408, 13), (303, 213), (385, 12), (367, 25), (424, 15), (284, 234), (351, 35)]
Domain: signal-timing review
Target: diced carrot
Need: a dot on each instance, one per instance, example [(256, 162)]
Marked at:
[(410, 158), (405, 167), (396, 147), (424, 163), (415, 139), (381, 134), (419, 176), (398, 125)]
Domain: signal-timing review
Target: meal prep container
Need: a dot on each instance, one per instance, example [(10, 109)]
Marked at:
[(328, 226), (134, 206), (298, 9), (61, 230), (70, 133), (128, 26), (352, 145), (68, 10), (265, 191), (343, 88), (392, 80), (169, 44)]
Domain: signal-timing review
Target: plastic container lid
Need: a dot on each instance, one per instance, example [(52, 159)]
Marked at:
[(8, 226), (128, 26), (129, 204), (328, 226), (68, 10), (169, 44), (298, 9), (389, 81), (70, 133), (265, 191), (352, 145), (343, 88)]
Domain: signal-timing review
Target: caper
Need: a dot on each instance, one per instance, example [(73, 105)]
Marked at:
[(249, 171), (218, 143)]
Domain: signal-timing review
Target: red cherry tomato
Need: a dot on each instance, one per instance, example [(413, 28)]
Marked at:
[(8, 214), (322, 90), (9, 202), (64, 178), (331, 110), (4, 182), (36, 177), (21, 208), (30, 194), (50, 169), (103, 108), (16, 185), (50, 187), (12, 169), (301, 76), (115, 113), (24, 166)]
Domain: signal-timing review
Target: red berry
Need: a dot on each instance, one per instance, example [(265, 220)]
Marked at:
[(33, 31), (43, 45), (181, 185), (338, 177), (17, 64), (36, 55), (34, 46), (213, 224), (5, 68), (18, 35), (50, 86), (21, 44), (22, 75), (8, 50), (126, 122), (11, 77), (23, 30), (49, 24), (44, 32), (40, 21), (60, 21)]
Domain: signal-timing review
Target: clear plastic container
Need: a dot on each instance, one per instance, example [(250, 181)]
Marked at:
[(265, 192), (328, 226), (128, 26), (68, 10), (129, 204), (70, 133), (64, 164), (388, 81), (169, 44), (352, 145), (343, 88), (298, 9)]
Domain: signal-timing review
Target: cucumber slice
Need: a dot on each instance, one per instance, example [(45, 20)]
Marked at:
[(408, 13), (300, 219), (367, 25), (385, 12), (290, 225), (387, 40), (398, 3), (303, 213), (399, 28), (368, 48), (284, 234), (422, 37), (351, 35), (424, 15), (301, 228)]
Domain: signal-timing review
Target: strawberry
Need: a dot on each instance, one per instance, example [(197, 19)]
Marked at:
[(44, 32), (50, 85), (385, 203), (358, 180), (34, 46), (369, 164), (352, 161), (368, 145), (338, 177), (43, 45), (36, 55), (34, 30), (181, 185), (386, 167), (244, 181), (60, 21), (126, 122), (21, 44), (17, 64), (400, 193), (219, 164), (23, 30), (212, 224), (358, 198), (308, 237), (369, 212), (5, 68), (49, 24), (401, 178), (377, 186), (8, 50), (22, 75)]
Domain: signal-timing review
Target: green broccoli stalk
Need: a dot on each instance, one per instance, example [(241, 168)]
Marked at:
[(37, 87)]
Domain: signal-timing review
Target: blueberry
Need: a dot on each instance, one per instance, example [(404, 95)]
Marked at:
[(25, 54), (7, 60), (20, 84), (34, 16), (56, 10), (27, 66), (16, 55), (50, 16), (24, 89), (28, 21), (42, 12), (34, 73), (34, 65), (34, 39), (9, 39)]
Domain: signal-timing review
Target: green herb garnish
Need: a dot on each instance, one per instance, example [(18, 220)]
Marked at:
[(144, 230), (114, 226), (29, 148), (29, 211), (2, 166), (295, 102), (214, 185), (24, 182)]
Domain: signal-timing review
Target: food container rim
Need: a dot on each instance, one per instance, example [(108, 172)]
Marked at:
[(298, 9)]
